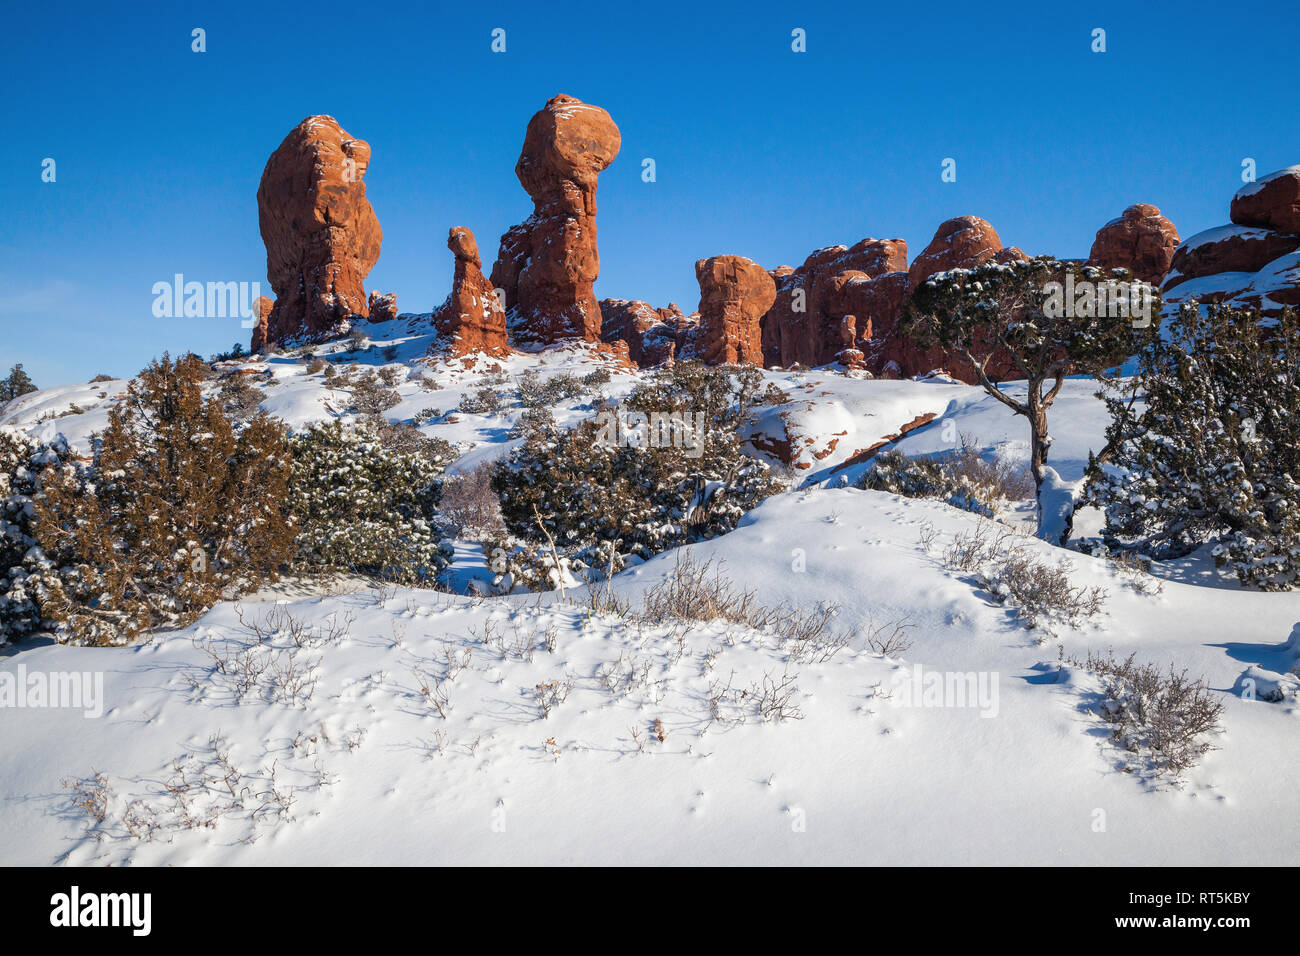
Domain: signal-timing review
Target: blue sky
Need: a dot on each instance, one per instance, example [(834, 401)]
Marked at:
[(759, 151)]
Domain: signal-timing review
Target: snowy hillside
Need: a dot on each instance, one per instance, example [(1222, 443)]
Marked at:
[(358, 723)]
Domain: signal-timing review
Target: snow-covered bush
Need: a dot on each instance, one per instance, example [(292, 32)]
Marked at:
[(727, 395), (584, 490), (371, 396), (363, 506), (531, 419), (1205, 444), (536, 391), (596, 378), (405, 438), (23, 566), (964, 480), (486, 401), (176, 512)]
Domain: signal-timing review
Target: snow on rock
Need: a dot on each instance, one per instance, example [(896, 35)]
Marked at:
[(833, 420), (1251, 264)]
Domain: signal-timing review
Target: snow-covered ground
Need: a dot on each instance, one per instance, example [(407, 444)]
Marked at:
[(409, 727)]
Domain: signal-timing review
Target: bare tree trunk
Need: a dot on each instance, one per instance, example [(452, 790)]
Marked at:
[(1040, 442), (555, 554)]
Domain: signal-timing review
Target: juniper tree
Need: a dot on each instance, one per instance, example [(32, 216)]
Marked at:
[(1049, 319), (18, 382), (365, 505), (24, 568), (176, 511), (594, 486), (1204, 444)]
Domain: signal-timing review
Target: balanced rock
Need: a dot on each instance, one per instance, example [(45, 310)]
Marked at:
[(850, 356), (471, 319), (1141, 241), (321, 235), (548, 264)]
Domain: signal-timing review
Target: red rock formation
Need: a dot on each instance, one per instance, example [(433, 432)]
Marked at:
[(1272, 202), (961, 243), (383, 306), (1141, 241), (872, 282), (653, 336), (850, 356), (471, 319), (1253, 264), (548, 264), (322, 237), (1228, 249), (262, 307), (735, 292), (803, 324)]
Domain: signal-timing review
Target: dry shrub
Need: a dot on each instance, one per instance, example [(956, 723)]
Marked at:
[(1161, 717), (971, 550), (470, 505), (996, 481), (370, 396), (700, 591), (1041, 592)]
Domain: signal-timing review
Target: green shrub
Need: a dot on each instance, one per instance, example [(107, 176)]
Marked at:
[(363, 506), (592, 493), (178, 511)]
